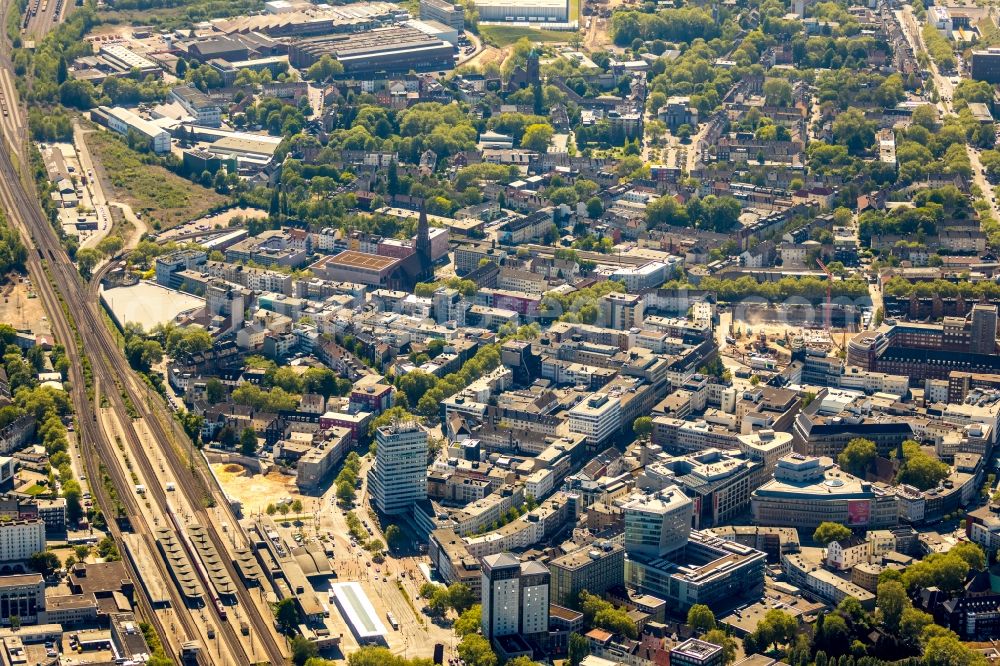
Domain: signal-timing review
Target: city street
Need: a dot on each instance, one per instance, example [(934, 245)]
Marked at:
[(945, 90)]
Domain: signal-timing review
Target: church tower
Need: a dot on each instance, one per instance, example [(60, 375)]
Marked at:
[(423, 247)]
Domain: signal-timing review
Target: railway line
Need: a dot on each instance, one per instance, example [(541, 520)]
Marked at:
[(44, 264), (90, 438), (83, 330), (176, 637), (95, 448), (40, 16)]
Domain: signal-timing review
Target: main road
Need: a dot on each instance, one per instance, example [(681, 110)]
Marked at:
[(946, 90)]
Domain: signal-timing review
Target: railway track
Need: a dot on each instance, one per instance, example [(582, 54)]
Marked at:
[(91, 331), (47, 261), (94, 459), (90, 438), (61, 290)]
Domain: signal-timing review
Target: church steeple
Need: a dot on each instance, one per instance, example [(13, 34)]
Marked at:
[(423, 246)]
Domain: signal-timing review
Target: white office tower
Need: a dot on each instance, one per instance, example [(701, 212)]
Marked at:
[(399, 477), (657, 524), (515, 597)]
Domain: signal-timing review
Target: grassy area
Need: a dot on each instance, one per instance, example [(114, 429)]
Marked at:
[(574, 10), (162, 197), (505, 35), (35, 490), (120, 225), (180, 14), (989, 34)]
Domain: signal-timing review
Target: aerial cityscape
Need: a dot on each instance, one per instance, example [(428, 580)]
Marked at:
[(499, 333)]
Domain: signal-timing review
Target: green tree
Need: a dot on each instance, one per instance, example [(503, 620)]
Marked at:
[(248, 442), (393, 534), (594, 208), (857, 456), (912, 625), (43, 562), (643, 428), (345, 492), (972, 554), (286, 613), (828, 532), (919, 469), (460, 597), (701, 618), (777, 627), (892, 602), (303, 650), (778, 92), (324, 68), (62, 72), (852, 130), (537, 137), (948, 650), (73, 494), (723, 640), (579, 647), (215, 390), (469, 621), (86, 260), (522, 660), (476, 651)]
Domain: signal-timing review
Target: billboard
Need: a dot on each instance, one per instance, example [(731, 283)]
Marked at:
[(858, 512)]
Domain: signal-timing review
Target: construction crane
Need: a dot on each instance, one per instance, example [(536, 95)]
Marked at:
[(829, 294)]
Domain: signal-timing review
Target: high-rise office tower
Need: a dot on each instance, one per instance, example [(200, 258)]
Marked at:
[(399, 475), (983, 338), (659, 524), (515, 596)]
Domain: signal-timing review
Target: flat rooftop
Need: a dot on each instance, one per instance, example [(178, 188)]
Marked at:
[(528, 5), (148, 303), (354, 259), (358, 611)]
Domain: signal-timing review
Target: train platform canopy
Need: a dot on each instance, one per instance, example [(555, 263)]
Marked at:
[(357, 609)]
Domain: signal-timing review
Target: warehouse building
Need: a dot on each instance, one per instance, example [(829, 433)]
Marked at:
[(122, 121), (531, 11), (383, 51), (313, 20), (123, 59), (443, 11), (198, 104)]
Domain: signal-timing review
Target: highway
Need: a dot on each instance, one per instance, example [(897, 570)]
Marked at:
[(79, 324)]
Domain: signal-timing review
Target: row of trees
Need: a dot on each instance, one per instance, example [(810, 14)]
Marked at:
[(811, 289), (48, 406), (600, 613), (920, 469), (13, 253), (675, 25), (347, 479), (314, 379), (971, 291)]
